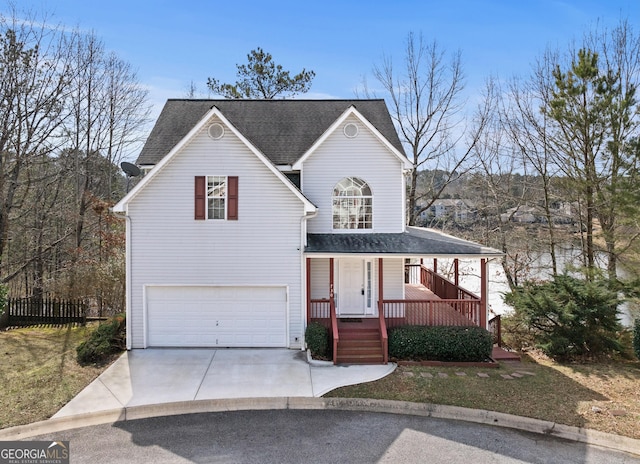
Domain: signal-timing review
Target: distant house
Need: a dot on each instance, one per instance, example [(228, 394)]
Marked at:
[(457, 210), (561, 213), (522, 214), (258, 217)]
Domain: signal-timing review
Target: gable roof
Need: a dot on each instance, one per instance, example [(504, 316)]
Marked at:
[(352, 111), (283, 130), (212, 112)]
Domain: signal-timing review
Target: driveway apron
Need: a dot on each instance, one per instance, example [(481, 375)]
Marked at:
[(157, 376)]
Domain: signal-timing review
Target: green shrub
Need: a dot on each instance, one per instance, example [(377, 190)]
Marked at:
[(317, 338), (568, 316), (462, 344), (106, 340), (636, 338)]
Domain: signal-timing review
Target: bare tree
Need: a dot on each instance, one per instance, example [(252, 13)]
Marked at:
[(501, 188), (427, 107), (108, 109), (35, 68), (69, 111), (526, 127)]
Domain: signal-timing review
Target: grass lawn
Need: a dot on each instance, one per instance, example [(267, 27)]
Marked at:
[(600, 396), (39, 373)]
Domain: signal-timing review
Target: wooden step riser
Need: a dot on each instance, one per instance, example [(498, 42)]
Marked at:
[(359, 337), (342, 343), (360, 350), (358, 360)]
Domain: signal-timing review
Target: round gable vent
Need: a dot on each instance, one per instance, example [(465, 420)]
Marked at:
[(351, 130), (216, 131)]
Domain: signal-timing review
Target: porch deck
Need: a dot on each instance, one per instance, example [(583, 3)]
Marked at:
[(419, 292), (422, 306), (429, 300)]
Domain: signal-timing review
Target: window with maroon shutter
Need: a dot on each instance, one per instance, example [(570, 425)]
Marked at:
[(200, 197), (232, 197), (216, 197)]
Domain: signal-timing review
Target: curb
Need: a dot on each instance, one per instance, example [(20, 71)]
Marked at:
[(317, 362), (479, 416)]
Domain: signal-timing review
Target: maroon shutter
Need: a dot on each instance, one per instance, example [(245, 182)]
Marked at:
[(201, 197), (232, 197)]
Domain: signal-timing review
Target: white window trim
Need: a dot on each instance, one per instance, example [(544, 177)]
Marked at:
[(346, 197), (225, 198)]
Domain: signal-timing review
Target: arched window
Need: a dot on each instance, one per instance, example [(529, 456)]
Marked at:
[(352, 204)]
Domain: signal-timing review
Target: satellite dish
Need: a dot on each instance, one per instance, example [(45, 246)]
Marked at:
[(130, 169)]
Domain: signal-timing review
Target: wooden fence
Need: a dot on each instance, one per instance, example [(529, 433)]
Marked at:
[(47, 311)]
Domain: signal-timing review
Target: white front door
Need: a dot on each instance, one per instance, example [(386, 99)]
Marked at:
[(355, 289)]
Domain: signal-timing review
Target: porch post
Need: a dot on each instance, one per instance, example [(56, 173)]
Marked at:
[(383, 326), (332, 314), (435, 265), (483, 293), (456, 272), (332, 302), (380, 284), (308, 290)]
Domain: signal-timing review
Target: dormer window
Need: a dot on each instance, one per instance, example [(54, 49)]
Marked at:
[(352, 204)]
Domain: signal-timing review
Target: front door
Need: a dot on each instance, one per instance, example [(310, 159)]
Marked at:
[(355, 292)]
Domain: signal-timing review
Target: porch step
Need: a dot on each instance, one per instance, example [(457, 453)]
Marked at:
[(364, 334), (359, 345), (500, 354)]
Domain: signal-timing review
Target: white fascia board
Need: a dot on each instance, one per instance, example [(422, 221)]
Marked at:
[(121, 206), (485, 252), (398, 255), (352, 111)]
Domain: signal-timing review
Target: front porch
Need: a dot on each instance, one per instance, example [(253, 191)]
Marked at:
[(429, 299)]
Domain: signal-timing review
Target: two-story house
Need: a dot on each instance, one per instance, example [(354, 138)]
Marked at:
[(257, 217)]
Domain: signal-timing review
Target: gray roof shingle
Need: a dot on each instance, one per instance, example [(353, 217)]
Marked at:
[(283, 130), (415, 242)]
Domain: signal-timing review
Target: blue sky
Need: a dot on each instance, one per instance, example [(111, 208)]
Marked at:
[(171, 43)]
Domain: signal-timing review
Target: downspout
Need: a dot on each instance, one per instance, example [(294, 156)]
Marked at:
[(127, 292), (303, 276)]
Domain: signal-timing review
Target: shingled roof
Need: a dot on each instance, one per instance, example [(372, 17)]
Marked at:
[(283, 130), (416, 241)]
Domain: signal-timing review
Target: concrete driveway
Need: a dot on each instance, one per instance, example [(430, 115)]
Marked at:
[(156, 376)]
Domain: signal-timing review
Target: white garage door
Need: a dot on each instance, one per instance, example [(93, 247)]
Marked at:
[(216, 316)]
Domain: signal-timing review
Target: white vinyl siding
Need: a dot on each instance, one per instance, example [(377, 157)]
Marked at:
[(263, 247), (319, 278), (366, 158), (393, 269)]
